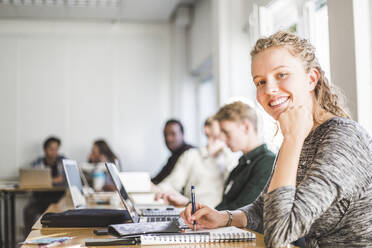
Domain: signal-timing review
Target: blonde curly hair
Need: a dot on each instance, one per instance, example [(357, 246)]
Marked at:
[(326, 95)]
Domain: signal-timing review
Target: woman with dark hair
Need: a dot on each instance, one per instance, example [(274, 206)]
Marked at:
[(101, 153)]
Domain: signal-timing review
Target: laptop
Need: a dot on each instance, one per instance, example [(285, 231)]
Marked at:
[(150, 215), (74, 183), (35, 178), (79, 187)]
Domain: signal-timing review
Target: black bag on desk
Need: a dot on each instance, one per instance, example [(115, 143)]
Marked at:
[(88, 217)]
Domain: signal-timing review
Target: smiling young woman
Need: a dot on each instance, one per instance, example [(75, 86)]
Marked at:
[(320, 192), (296, 73)]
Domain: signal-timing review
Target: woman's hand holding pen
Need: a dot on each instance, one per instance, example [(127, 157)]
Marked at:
[(204, 216)]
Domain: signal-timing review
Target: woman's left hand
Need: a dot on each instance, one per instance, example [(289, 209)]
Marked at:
[(296, 122)]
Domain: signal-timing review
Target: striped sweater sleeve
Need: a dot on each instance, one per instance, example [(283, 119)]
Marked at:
[(254, 214), (341, 167)]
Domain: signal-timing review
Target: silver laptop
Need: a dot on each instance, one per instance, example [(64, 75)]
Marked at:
[(151, 216), (35, 178), (74, 183)]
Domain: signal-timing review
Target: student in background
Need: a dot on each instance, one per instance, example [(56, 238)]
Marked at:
[(40, 201), (321, 188), (206, 168), (174, 140), (101, 153), (238, 123), (51, 159)]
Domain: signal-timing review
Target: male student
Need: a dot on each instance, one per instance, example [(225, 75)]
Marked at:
[(174, 140), (206, 168), (40, 201), (238, 122)]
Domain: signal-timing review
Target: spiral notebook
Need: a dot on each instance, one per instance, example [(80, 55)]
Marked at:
[(224, 234)]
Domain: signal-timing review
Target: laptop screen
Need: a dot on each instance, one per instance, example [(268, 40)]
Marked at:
[(129, 205), (35, 178), (74, 182)]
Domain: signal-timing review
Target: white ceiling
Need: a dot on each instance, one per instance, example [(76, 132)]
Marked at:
[(106, 10)]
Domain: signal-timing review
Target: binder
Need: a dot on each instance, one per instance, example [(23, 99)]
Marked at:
[(224, 234)]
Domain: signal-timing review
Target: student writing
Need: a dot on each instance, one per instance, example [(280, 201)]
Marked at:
[(321, 186)]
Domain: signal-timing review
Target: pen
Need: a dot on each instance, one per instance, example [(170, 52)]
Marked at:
[(193, 204)]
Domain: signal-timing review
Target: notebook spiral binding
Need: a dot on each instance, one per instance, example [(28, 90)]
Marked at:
[(187, 238)]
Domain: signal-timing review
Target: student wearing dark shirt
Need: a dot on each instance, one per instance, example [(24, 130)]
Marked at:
[(174, 140), (40, 201), (238, 122)]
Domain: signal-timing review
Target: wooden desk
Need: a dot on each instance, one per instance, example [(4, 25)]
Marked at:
[(8, 193), (81, 234)]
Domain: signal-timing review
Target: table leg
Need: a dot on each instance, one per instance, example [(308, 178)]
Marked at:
[(6, 220), (1, 219), (12, 218)]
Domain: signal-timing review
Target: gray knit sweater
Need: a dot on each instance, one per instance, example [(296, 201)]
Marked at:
[(331, 205)]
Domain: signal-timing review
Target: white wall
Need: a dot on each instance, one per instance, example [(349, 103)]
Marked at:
[(200, 35), (218, 34), (231, 58), (82, 81), (200, 45), (183, 85)]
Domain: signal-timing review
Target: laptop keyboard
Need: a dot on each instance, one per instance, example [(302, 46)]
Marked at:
[(161, 218), (160, 212), (180, 222)]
